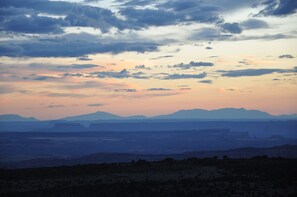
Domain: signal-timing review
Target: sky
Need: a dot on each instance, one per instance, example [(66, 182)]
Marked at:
[(150, 57)]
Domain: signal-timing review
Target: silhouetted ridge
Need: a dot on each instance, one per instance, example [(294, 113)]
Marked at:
[(15, 118), (226, 113), (93, 116)]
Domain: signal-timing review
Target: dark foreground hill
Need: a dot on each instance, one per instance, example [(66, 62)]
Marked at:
[(285, 151), (259, 176)]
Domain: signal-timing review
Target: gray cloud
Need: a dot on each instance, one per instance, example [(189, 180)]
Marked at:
[(191, 64), (87, 16), (32, 24), (205, 81), (140, 75), (279, 7), (84, 58), (43, 78), (162, 57), (71, 45), (119, 74), (267, 37), (249, 72), (55, 106), (95, 105), (112, 74), (288, 56), (185, 76), (170, 13), (125, 90), (76, 15), (233, 28), (244, 61), (158, 89), (73, 75), (254, 72), (14, 14), (254, 24), (50, 66), (209, 34), (71, 95), (163, 94), (93, 85), (142, 67)]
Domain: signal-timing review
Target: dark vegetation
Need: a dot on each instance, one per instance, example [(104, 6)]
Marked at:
[(257, 176)]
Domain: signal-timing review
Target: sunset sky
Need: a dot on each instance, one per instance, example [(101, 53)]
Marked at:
[(150, 57)]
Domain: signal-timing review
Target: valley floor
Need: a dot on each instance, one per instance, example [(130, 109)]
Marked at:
[(258, 176)]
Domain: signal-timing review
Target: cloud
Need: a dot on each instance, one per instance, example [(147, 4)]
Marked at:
[(78, 66), (95, 104), (133, 3), (58, 67), (208, 48), (76, 15), (112, 74), (87, 16), (249, 72), (169, 13), (91, 1), (254, 24), (244, 61), (158, 89), (84, 58), (185, 76), (119, 74), (142, 67), (233, 28), (163, 94), (185, 89), (148, 17), (288, 56), (71, 95), (55, 106), (209, 34), (93, 85), (278, 7), (73, 75), (267, 37), (212, 34), (191, 64), (193, 11), (125, 90), (44, 16), (32, 24), (139, 75), (43, 6), (71, 45), (205, 81), (43, 78), (162, 57), (254, 72)]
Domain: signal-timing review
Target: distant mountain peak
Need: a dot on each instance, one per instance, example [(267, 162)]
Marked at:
[(224, 113), (16, 118), (99, 115)]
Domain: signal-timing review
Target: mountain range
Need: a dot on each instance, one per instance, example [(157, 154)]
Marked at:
[(198, 114), (16, 118)]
